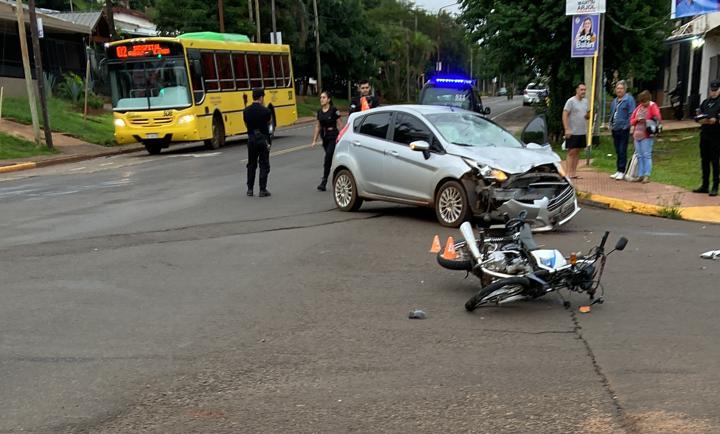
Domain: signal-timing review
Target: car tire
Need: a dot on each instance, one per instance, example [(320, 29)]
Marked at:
[(345, 192), (452, 207), (218, 134)]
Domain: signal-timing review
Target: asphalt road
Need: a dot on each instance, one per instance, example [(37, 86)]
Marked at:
[(149, 294)]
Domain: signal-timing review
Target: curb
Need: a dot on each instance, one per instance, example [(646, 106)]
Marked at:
[(64, 160), (17, 167), (703, 214)]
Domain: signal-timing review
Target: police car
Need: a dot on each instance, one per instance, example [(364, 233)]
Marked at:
[(453, 92)]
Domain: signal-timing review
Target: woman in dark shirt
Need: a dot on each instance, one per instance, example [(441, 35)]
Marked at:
[(327, 128)]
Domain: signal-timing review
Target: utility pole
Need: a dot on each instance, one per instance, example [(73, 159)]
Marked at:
[(317, 48), (111, 20), (26, 69), (221, 16), (274, 27), (257, 21), (407, 64), (251, 17), (34, 34)]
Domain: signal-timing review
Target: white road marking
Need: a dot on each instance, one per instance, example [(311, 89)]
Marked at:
[(506, 112), (77, 168)]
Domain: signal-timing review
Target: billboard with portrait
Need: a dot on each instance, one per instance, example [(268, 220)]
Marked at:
[(585, 41), (689, 8)]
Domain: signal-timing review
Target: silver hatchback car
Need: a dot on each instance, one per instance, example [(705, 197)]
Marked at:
[(453, 160)]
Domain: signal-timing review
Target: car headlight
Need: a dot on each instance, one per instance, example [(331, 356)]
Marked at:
[(560, 169), (186, 119), (119, 123), (486, 171)]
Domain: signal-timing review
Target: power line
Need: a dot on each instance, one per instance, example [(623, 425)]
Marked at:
[(629, 29)]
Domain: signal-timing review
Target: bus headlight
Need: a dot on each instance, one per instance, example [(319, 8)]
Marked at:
[(186, 119), (119, 123)]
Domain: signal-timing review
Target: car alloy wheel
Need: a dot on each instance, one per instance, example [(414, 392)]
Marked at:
[(343, 190), (451, 204)]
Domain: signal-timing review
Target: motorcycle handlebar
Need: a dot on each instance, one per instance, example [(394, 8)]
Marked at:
[(604, 239)]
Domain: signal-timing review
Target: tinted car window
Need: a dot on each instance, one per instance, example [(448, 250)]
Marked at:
[(447, 96), (409, 129), (376, 125)]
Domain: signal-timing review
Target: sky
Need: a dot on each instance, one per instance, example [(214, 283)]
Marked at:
[(434, 5)]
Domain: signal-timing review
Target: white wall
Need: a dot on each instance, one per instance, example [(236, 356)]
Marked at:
[(710, 50)]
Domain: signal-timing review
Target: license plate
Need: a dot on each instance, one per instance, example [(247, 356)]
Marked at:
[(153, 135)]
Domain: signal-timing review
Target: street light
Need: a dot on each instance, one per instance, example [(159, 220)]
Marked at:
[(438, 65)]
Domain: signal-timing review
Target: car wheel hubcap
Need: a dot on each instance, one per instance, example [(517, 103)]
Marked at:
[(450, 204), (343, 190)]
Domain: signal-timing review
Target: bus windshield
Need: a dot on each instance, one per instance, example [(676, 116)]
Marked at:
[(149, 84)]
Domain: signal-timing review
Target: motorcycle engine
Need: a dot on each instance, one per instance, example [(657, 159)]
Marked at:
[(507, 263)]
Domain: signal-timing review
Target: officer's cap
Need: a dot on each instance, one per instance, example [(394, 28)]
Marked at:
[(715, 85), (258, 92)]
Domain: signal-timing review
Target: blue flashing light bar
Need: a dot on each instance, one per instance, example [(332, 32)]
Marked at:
[(450, 80)]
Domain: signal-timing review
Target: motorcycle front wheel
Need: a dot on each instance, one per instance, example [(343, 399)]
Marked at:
[(497, 291), (462, 262)]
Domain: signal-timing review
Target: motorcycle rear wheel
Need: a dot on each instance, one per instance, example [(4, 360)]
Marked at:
[(511, 284)]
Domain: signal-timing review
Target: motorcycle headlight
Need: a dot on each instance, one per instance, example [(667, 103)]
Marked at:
[(486, 171)]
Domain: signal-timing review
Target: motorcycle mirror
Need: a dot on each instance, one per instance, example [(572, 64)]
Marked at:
[(622, 242)]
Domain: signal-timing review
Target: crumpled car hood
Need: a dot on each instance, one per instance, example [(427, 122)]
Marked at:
[(509, 160)]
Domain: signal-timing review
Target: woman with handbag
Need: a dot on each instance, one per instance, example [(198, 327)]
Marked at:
[(645, 121)]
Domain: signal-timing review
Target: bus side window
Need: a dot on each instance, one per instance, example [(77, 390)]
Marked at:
[(267, 70), (241, 74), (277, 68), (227, 80), (286, 70), (196, 75), (253, 62), (210, 72)]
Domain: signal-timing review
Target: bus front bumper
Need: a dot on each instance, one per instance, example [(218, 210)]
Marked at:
[(181, 129)]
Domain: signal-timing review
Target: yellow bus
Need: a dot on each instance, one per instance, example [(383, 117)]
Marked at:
[(195, 87)]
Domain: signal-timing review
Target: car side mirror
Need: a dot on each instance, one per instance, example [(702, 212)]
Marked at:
[(536, 131), (486, 111), (420, 145), (622, 242)]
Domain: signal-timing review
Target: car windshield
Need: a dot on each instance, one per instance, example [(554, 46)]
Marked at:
[(144, 85), (468, 129), (447, 97)]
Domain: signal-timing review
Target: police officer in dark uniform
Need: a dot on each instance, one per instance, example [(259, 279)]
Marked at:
[(257, 120), (365, 101), (709, 119)]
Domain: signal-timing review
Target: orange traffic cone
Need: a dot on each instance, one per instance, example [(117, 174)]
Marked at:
[(436, 247), (450, 252)]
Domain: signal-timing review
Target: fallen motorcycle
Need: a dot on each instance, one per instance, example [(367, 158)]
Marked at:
[(511, 267)]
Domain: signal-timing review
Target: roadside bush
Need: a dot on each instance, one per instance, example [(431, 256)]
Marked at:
[(95, 101), (71, 88)]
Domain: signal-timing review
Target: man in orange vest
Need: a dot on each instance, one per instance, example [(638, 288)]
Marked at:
[(365, 101)]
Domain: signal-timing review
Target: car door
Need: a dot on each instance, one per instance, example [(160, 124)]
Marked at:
[(410, 173), (368, 148)]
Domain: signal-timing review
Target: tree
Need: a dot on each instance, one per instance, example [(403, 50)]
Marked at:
[(536, 37)]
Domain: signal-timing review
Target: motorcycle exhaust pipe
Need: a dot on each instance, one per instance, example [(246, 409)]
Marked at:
[(467, 232)]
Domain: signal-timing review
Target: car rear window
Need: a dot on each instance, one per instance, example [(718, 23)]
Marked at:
[(460, 98), (376, 125)]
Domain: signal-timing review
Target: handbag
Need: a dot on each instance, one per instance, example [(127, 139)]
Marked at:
[(632, 170)]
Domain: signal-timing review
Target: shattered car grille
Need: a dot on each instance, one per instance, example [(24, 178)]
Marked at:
[(561, 199)]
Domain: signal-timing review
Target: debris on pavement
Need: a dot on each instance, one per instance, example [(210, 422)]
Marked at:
[(712, 254), (417, 314)]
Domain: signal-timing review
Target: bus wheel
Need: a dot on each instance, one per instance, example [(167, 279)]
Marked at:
[(218, 134), (153, 147)]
